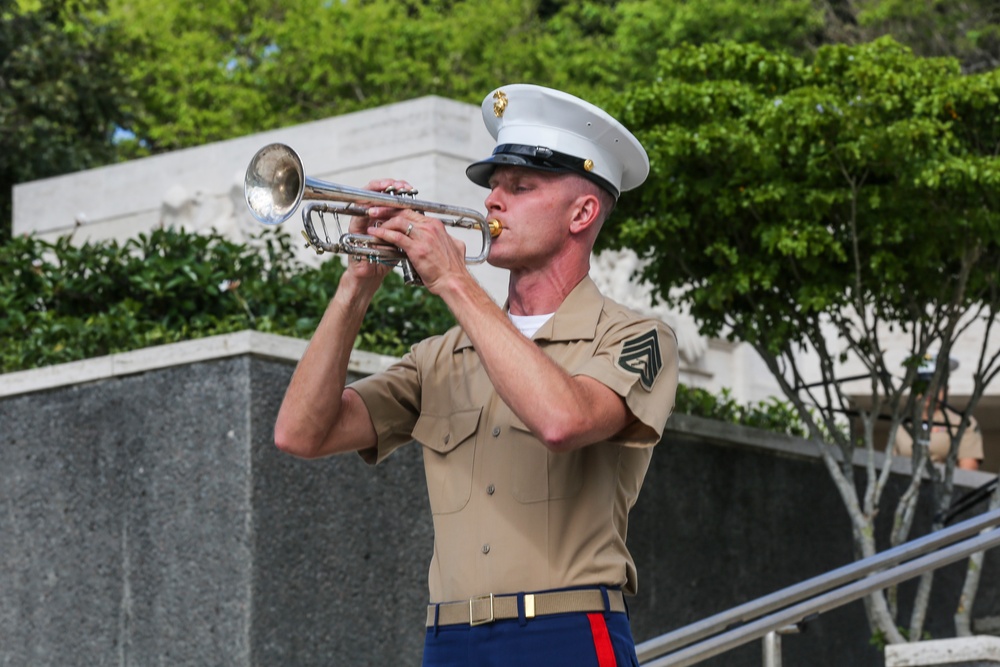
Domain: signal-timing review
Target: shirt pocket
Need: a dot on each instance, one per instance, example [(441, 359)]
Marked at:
[(537, 474), (449, 448)]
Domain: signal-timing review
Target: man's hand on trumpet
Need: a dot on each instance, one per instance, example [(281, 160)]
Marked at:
[(361, 267), (435, 254)]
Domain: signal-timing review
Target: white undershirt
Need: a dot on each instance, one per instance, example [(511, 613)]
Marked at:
[(529, 324)]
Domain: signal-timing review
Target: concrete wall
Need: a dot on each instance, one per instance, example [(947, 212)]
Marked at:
[(146, 518)]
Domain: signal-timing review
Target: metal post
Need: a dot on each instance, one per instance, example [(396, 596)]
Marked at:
[(772, 644), (772, 649)]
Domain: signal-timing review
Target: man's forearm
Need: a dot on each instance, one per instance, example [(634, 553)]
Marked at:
[(314, 419)]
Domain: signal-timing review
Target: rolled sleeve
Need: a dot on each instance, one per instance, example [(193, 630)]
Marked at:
[(639, 362), (393, 401)]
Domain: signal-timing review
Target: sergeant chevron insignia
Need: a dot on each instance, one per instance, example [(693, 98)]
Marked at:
[(641, 355)]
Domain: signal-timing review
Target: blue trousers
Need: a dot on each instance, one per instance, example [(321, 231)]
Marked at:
[(574, 640)]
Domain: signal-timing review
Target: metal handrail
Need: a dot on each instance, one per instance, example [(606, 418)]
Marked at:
[(823, 593)]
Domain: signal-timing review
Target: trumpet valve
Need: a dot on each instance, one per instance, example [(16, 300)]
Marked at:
[(494, 226), (401, 192)]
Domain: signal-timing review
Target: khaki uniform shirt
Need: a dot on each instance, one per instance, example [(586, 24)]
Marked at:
[(970, 447), (510, 515)]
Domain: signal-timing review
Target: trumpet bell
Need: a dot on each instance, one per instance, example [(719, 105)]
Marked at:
[(274, 184)]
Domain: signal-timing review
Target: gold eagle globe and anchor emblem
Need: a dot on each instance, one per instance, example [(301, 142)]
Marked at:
[(499, 103)]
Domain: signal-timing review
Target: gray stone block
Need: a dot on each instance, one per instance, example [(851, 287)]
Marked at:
[(957, 652), (150, 520)]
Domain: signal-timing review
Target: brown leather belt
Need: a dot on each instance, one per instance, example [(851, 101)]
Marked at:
[(488, 608)]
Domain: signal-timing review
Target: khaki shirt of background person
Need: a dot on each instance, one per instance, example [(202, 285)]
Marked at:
[(509, 514), (970, 448)]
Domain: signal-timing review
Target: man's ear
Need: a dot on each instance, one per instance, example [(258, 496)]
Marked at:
[(587, 213)]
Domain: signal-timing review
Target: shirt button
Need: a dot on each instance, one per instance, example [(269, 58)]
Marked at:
[(491, 489), (446, 439), (496, 431), (486, 548)]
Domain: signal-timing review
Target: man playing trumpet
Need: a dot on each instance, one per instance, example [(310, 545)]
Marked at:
[(537, 420)]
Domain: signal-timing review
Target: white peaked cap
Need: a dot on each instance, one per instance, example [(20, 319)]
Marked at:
[(929, 364), (551, 130)]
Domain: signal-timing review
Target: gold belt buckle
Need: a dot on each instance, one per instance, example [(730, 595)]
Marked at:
[(473, 620)]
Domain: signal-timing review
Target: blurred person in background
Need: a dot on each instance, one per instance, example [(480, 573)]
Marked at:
[(940, 425)]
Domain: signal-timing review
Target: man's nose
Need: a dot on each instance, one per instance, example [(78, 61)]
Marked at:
[(494, 202)]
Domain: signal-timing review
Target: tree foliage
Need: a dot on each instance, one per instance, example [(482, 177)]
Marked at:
[(210, 72), (61, 95), (817, 185), (809, 208), (968, 30), (89, 82)]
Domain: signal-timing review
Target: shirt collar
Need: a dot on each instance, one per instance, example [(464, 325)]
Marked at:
[(575, 319)]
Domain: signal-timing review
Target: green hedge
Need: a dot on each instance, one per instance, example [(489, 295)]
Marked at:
[(770, 415), (63, 302)]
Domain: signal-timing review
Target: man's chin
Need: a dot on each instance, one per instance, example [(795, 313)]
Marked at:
[(497, 259)]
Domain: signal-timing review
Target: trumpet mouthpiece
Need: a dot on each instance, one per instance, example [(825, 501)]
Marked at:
[(495, 227)]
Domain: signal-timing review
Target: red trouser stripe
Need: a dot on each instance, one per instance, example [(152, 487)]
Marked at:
[(602, 642)]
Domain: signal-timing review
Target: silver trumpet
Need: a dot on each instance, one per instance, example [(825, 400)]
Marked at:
[(276, 184)]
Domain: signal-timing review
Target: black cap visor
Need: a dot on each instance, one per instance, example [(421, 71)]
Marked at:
[(532, 157)]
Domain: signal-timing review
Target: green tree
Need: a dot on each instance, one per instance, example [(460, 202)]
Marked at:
[(177, 74), (635, 29), (61, 97), (966, 29), (212, 72), (851, 195)]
